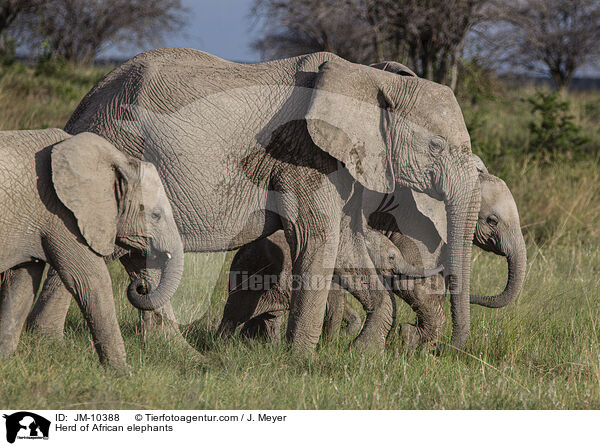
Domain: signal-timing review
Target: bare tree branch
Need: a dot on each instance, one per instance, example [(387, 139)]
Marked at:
[(79, 30), (554, 37), (427, 35)]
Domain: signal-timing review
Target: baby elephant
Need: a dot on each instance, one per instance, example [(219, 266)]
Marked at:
[(260, 282), (415, 224), (67, 200)]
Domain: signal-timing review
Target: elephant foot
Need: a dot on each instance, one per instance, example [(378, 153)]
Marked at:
[(163, 323), (352, 320), (7, 350), (414, 337), (367, 343), (53, 331), (411, 337), (120, 370)]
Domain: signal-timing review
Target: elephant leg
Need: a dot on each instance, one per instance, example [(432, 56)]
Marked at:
[(52, 305), (312, 272), (16, 296), (266, 326), (334, 312), (380, 307), (50, 309), (352, 320), (427, 300), (86, 276)]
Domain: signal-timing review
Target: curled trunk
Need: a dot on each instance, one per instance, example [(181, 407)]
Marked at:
[(143, 298), (516, 258)]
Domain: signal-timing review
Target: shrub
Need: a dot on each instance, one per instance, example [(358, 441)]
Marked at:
[(553, 131), (8, 50)]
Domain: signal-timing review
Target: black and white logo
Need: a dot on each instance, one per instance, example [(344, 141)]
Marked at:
[(26, 426)]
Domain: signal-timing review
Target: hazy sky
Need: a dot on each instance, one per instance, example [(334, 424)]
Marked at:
[(220, 27)]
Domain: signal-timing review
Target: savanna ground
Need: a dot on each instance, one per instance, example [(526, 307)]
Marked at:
[(541, 352)]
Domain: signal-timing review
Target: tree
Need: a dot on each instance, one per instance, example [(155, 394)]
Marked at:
[(291, 28), (10, 10), (432, 34), (553, 37), (426, 35), (78, 30)]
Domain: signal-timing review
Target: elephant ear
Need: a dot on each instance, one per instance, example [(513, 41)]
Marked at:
[(434, 210), (394, 67), (89, 176), (479, 165), (346, 118)]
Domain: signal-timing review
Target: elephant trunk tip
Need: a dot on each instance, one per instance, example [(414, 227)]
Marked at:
[(137, 294)]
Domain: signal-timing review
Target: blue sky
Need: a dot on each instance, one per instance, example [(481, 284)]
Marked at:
[(219, 27)]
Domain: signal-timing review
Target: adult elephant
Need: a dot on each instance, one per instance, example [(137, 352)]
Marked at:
[(247, 149)]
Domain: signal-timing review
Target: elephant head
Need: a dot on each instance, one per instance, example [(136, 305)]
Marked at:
[(390, 255), (402, 131), (119, 200), (390, 260), (498, 230)]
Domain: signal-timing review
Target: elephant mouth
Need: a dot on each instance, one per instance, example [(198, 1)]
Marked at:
[(491, 245), (143, 287)]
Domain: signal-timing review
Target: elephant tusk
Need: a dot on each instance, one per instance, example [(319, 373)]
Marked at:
[(169, 256)]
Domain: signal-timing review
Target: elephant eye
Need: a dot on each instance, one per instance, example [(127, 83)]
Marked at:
[(492, 220), (156, 215), (141, 207)]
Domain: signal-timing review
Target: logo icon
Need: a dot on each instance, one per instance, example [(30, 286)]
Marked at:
[(26, 425)]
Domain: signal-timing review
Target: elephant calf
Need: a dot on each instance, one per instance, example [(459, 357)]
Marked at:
[(66, 200), (260, 289), (417, 229)]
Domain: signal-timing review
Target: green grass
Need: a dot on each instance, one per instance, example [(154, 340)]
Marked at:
[(541, 352), (33, 99)]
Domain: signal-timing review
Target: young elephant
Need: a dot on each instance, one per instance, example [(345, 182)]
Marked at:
[(498, 230), (67, 200), (260, 284), (419, 233)]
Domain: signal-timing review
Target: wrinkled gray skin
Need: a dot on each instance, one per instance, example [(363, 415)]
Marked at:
[(245, 150), (422, 243), (66, 201), (269, 261), (498, 231)]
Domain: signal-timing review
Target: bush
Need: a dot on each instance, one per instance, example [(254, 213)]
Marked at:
[(48, 62), (553, 131), (8, 50), (476, 83)]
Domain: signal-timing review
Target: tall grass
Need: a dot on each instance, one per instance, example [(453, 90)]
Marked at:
[(541, 352)]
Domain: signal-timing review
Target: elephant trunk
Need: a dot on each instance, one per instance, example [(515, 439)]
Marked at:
[(516, 258), (142, 298), (407, 270), (461, 219)]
